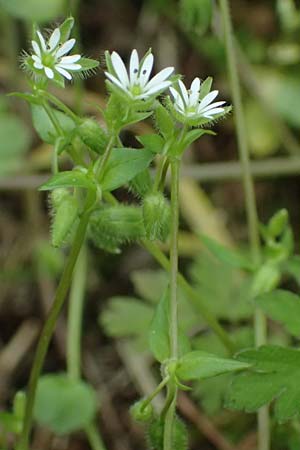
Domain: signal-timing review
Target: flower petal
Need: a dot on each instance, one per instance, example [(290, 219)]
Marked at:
[(70, 59), (49, 72), (36, 48), (212, 106), (117, 82), (42, 41), (159, 77), (212, 112), (120, 68), (184, 92), (177, 99), (134, 66), (54, 39), (195, 88), (65, 48), (63, 72), (208, 99), (146, 69), (38, 65), (69, 66), (158, 88)]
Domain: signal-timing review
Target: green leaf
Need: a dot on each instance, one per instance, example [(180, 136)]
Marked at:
[(193, 135), (120, 318), (283, 306), (198, 365), (123, 165), (65, 29), (64, 405), (152, 142), (15, 140), (72, 178), (275, 376), (44, 126), (292, 267), (34, 10), (9, 423), (196, 15), (227, 255), (159, 330), (164, 121)]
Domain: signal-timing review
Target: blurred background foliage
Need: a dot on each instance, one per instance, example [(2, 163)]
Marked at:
[(122, 290)]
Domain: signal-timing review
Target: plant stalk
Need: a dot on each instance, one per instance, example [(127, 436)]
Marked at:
[(49, 327), (260, 327), (173, 302)]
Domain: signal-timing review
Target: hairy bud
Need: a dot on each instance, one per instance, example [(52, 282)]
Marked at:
[(156, 215), (93, 135), (140, 412), (65, 213), (156, 435)]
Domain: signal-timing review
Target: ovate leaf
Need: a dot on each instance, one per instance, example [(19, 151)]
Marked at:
[(123, 165), (199, 365), (64, 405), (159, 330), (283, 306), (152, 142), (72, 178), (274, 376), (45, 128)]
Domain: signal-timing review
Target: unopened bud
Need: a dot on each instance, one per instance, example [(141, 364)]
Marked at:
[(141, 412), (266, 279), (65, 213), (278, 223), (93, 136), (156, 215)]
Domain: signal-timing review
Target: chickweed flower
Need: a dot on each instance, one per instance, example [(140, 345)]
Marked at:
[(136, 83), (50, 57), (191, 104)]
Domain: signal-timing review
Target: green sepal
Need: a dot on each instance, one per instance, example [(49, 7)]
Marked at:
[(205, 87), (88, 64), (164, 122), (65, 29)]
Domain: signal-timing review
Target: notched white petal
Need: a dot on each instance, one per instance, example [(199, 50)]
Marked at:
[(208, 98), (54, 39), (49, 72), (134, 66), (42, 41), (146, 69), (119, 68), (36, 48), (63, 72), (65, 48), (160, 77)]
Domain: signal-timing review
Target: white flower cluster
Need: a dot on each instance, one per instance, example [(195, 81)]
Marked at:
[(50, 56), (137, 86)]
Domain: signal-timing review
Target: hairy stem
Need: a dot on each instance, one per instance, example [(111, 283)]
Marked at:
[(49, 327), (173, 301), (259, 318)]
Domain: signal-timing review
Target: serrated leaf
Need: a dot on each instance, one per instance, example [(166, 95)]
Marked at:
[(152, 142), (274, 376), (199, 365), (123, 165), (64, 405), (283, 306), (227, 255), (159, 342), (44, 126), (71, 178)]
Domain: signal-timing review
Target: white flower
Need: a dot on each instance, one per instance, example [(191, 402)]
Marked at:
[(188, 103), (50, 56), (137, 84)]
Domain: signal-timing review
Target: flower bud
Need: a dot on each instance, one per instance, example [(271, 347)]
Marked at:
[(115, 225), (141, 183), (140, 412), (93, 135), (278, 223), (65, 213), (156, 215), (266, 279)]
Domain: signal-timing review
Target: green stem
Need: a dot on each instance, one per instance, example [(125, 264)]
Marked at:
[(156, 391), (259, 318), (99, 168), (94, 437), (53, 118), (173, 331), (193, 296), (173, 301), (76, 300), (49, 327), (61, 106)]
